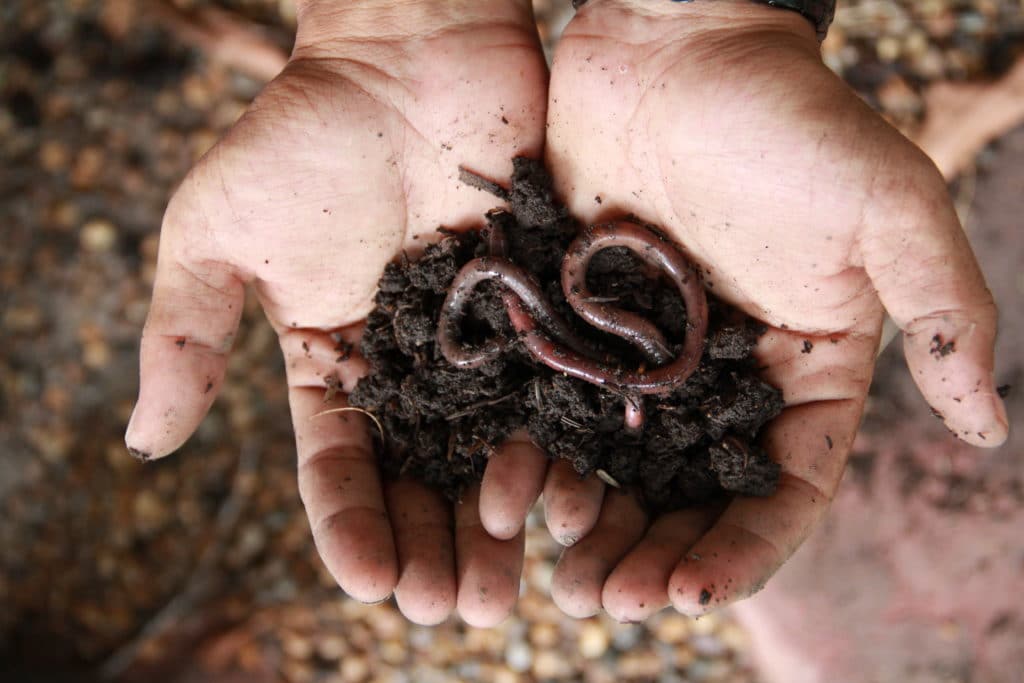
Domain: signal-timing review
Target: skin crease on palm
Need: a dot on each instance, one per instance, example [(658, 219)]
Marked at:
[(715, 120)]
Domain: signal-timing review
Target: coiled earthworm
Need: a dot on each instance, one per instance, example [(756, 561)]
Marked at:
[(526, 290), (535, 319), (658, 252)]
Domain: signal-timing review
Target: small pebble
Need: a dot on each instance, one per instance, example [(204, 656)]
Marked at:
[(98, 235), (53, 156), (23, 319), (639, 664), (708, 646), (548, 664), (393, 651), (504, 675), (96, 354), (331, 647), (593, 640), (626, 636), (672, 628), (518, 656), (87, 168), (544, 635), (355, 669), (150, 512), (706, 624)]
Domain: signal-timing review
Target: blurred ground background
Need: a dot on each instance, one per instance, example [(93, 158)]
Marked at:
[(109, 567)]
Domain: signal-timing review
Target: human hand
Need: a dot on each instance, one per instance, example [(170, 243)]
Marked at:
[(347, 158), (719, 122)]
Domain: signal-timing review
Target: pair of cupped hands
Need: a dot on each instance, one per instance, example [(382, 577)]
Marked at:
[(715, 120)]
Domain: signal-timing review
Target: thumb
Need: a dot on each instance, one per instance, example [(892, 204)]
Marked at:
[(922, 266), (196, 306)]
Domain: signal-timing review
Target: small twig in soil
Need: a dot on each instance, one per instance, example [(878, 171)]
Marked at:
[(470, 409), (479, 182), (607, 478), (346, 409), (569, 422), (480, 443)]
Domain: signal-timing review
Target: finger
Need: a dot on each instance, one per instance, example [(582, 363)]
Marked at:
[(824, 381), (512, 481), (581, 571), (314, 357), (571, 503), (922, 266), (196, 306), (754, 536), (340, 487), (488, 569), (638, 586), (809, 368), (422, 522)]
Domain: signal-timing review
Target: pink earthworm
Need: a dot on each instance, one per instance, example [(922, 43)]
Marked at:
[(531, 315), (526, 291), (634, 416), (658, 252)]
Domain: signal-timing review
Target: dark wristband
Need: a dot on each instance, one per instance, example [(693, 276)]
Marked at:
[(819, 12)]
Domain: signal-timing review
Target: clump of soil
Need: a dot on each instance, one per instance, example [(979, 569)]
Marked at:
[(441, 423)]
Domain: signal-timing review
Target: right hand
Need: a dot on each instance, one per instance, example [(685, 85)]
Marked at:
[(719, 122), (347, 158)]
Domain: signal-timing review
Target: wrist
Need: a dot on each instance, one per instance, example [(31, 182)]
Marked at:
[(653, 20), (327, 24)]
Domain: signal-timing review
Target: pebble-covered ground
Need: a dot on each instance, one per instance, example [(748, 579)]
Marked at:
[(109, 565)]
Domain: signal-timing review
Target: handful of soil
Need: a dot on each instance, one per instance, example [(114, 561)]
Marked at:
[(676, 448)]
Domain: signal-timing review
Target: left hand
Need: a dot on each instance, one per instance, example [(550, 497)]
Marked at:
[(347, 159), (719, 122)]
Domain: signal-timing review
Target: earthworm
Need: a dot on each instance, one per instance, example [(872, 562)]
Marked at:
[(658, 252), (526, 291), (532, 315), (633, 419)]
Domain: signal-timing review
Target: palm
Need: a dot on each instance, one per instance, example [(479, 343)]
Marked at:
[(339, 166), (798, 202), (337, 169), (760, 180)]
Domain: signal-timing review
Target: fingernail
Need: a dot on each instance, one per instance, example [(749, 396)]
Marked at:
[(141, 456), (137, 453), (374, 602), (130, 427), (1001, 417)]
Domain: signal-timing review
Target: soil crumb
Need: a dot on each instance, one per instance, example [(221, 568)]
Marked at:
[(940, 348), (698, 443)]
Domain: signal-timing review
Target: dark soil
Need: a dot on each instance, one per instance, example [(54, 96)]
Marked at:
[(441, 423)]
